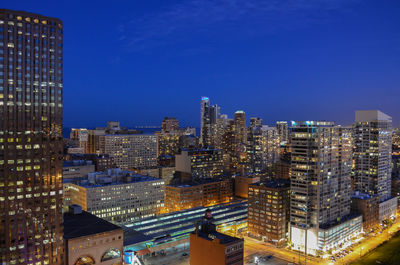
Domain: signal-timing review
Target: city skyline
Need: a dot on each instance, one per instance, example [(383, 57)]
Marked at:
[(335, 55)]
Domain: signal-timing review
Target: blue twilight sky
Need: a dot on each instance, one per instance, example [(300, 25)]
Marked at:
[(140, 60)]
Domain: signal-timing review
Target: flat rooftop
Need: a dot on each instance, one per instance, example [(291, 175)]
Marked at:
[(224, 239), (275, 184), (197, 182), (106, 180), (85, 224)]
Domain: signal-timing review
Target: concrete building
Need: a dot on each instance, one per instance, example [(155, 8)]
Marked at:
[(204, 192), (269, 211), (320, 216), (31, 143), (116, 195), (242, 184), (368, 206), (388, 209), (207, 246), (91, 240), (164, 173), (130, 151), (373, 152), (77, 168), (200, 163)]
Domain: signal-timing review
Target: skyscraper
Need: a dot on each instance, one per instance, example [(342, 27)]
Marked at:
[(283, 131), (208, 117), (31, 147), (373, 152), (320, 183)]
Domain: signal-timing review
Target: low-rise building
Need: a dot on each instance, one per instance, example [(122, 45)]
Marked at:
[(116, 195), (77, 168), (388, 209), (368, 206), (204, 192), (164, 232), (242, 184), (269, 211), (207, 246), (91, 240)]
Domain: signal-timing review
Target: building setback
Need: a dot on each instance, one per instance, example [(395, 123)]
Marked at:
[(31, 143)]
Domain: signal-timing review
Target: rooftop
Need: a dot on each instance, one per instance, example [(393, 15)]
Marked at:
[(223, 239), (277, 183), (197, 182), (74, 163), (112, 177), (85, 224)]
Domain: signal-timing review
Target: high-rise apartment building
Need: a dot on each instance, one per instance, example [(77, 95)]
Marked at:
[(130, 150), (81, 136), (200, 163), (320, 183), (373, 152), (169, 124), (208, 117), (283, 131), (31, 146)]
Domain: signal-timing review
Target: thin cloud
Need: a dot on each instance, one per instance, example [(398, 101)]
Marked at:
[(198, 15)]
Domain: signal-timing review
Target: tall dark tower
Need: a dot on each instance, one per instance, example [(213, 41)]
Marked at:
[(31, 230)]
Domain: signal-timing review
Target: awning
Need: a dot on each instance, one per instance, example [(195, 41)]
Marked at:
[(143, 252)]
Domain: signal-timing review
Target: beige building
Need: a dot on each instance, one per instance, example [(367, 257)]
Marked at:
[(242, 185), (116, 195), (203, 193), (130, 150), (91, 240)]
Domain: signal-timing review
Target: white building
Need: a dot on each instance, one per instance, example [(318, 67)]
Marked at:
[(116, 195), (131, 150), (320, 185)]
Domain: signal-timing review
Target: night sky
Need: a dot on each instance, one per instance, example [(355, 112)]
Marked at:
[(138, 61)]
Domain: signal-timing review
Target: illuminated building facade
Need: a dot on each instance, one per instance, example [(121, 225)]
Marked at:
[(205, 192), (242, 184), (82, 137), (207, 246), (169, 125), (200, 163), (320, 185), (116, 195), (269, 210), (31, 143), (131, 150), (368, 206), (283, 131), (373, 152), (208, 117), (91, 240), (163, 232)]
